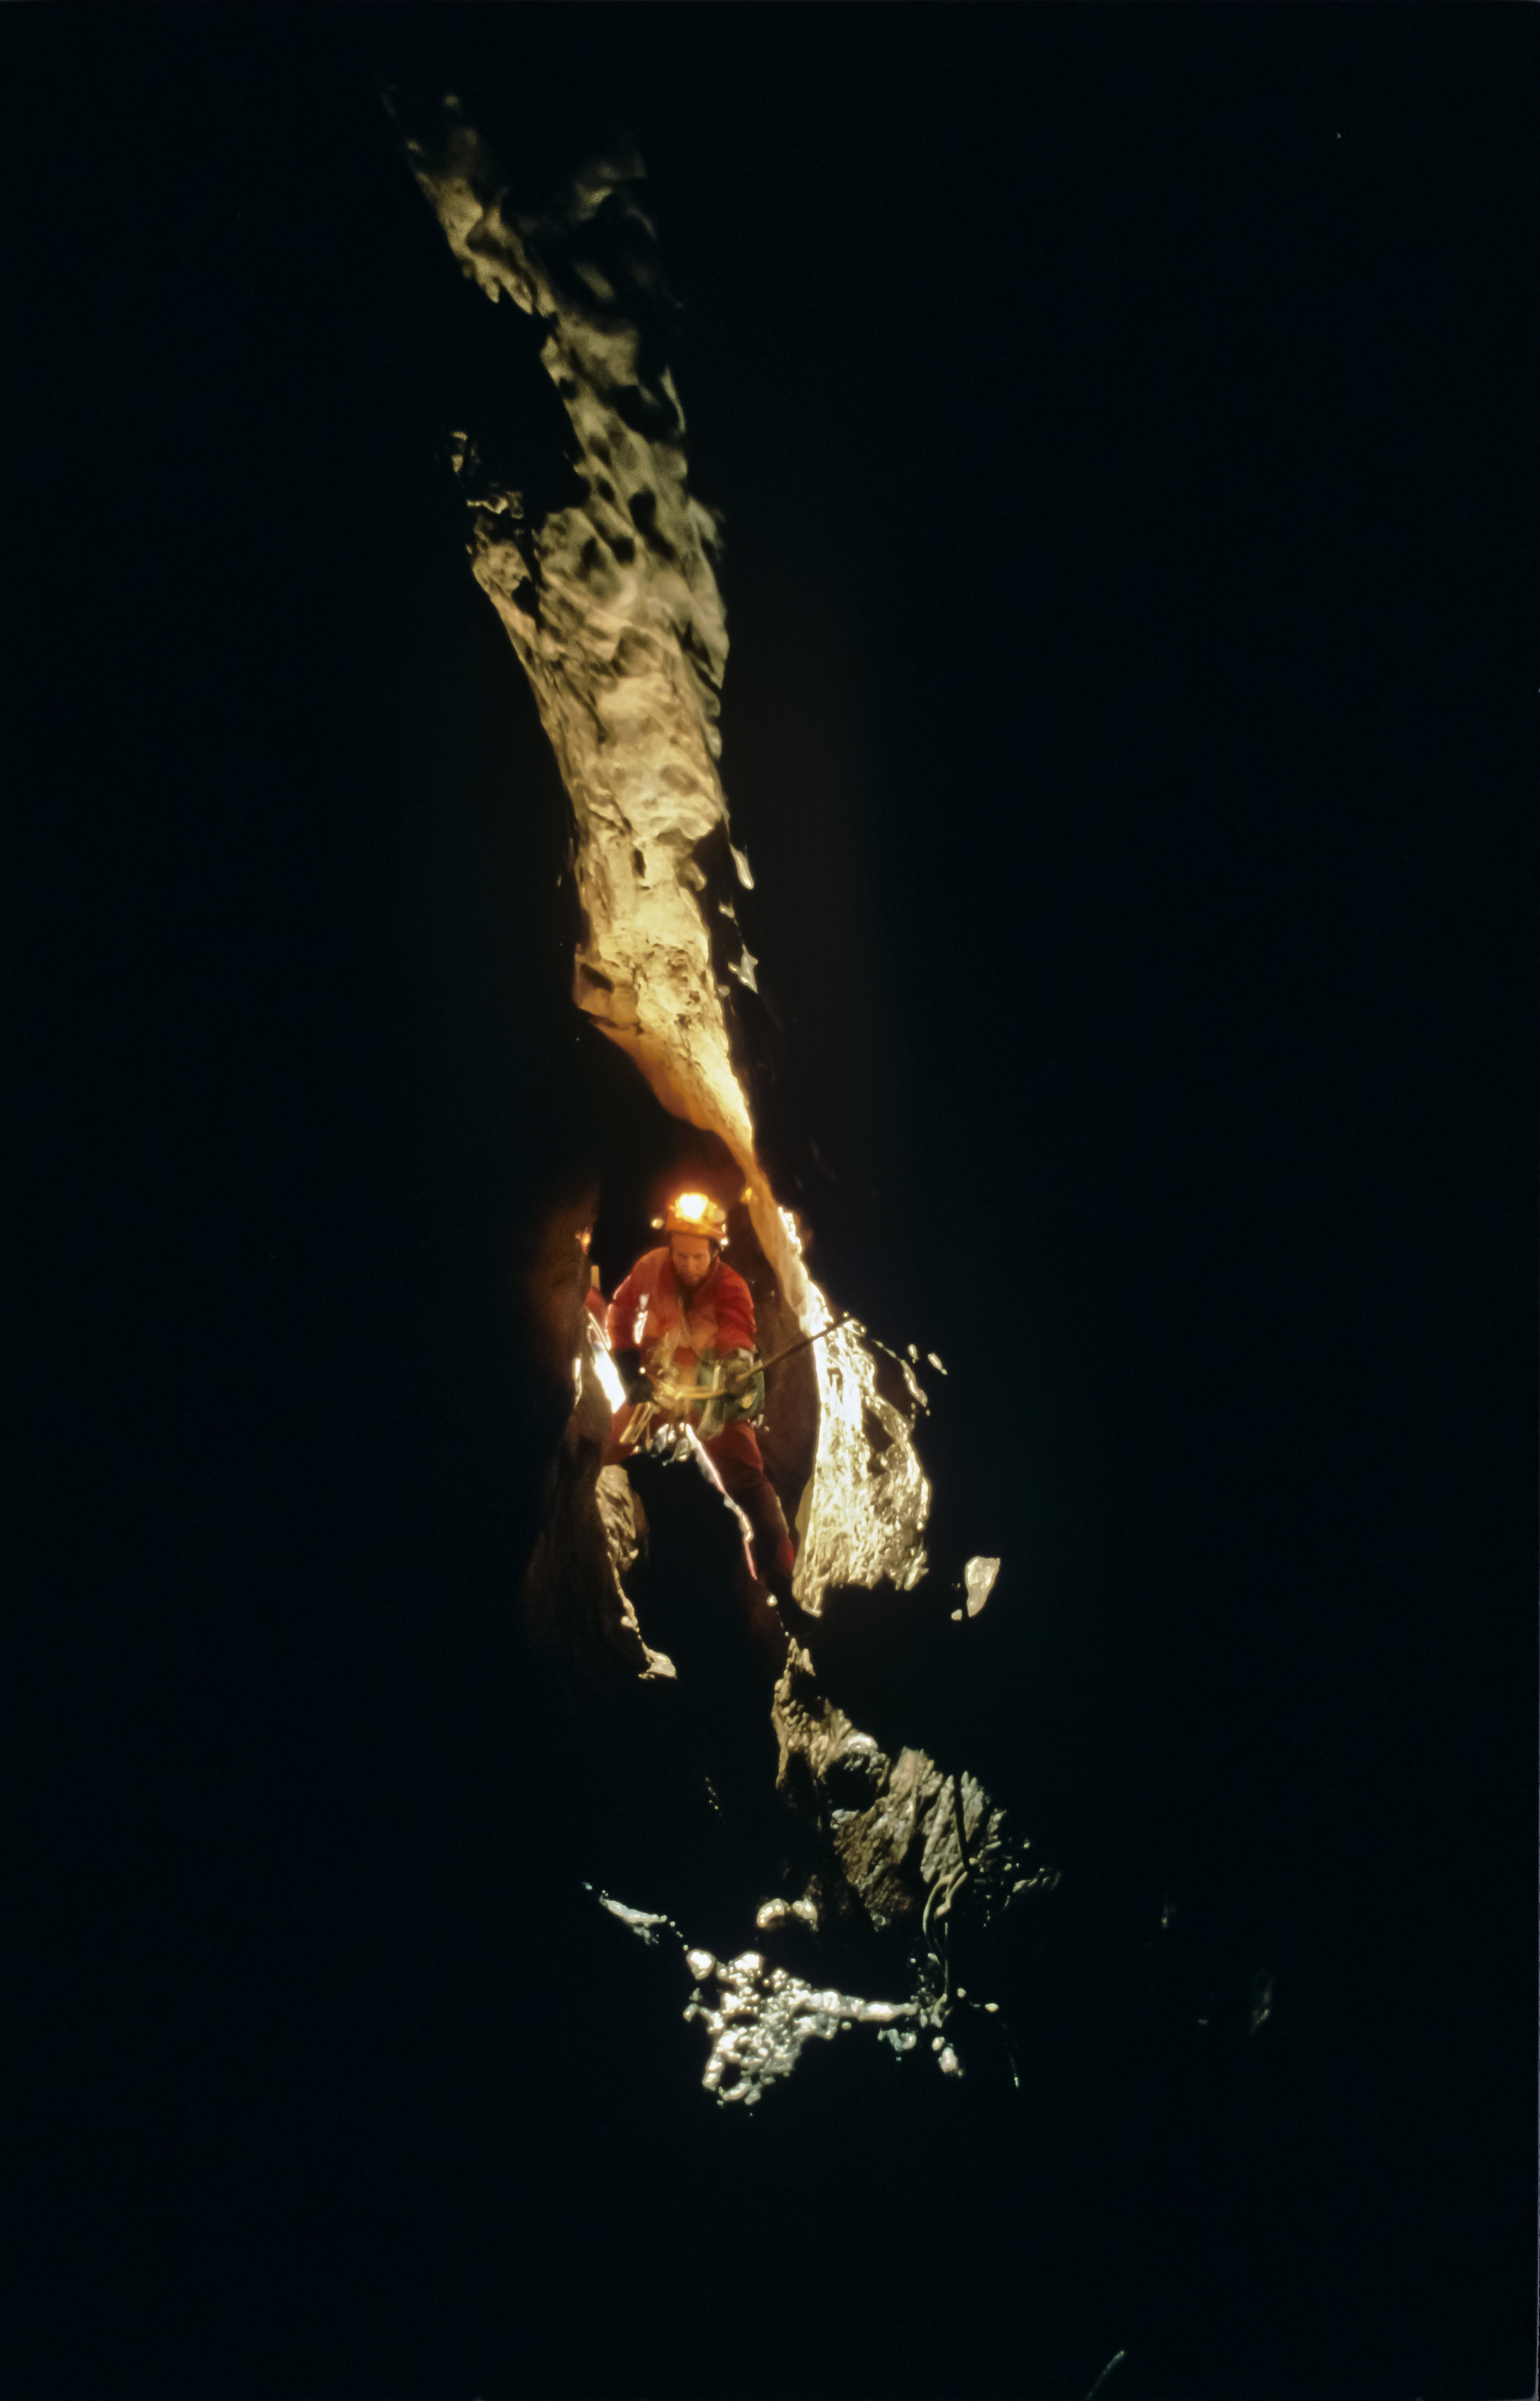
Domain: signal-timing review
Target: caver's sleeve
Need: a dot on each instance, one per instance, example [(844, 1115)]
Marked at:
[(624, 1306)]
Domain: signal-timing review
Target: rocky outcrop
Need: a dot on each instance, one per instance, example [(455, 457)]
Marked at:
[(577, 1608), (614, 610), (902, 1838)]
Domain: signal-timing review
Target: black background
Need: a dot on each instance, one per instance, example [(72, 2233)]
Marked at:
[(1123, 421)]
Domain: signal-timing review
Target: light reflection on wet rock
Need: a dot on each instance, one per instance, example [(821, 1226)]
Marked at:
[(759, 2020)]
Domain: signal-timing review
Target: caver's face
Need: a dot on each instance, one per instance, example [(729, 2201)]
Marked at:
[(691, 1257)]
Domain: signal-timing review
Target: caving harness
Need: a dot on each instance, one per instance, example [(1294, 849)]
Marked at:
[(720, 1395)]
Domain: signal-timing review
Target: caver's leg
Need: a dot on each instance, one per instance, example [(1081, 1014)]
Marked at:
[(734, 1453)]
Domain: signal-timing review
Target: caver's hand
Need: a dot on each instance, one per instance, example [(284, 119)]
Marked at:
[(741, 1381)]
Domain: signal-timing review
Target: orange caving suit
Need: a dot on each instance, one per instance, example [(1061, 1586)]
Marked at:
[(649, 1314)]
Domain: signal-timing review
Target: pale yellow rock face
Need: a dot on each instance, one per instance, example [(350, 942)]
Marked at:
[(613, 609)]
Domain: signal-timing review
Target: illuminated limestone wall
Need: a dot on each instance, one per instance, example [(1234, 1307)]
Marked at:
[(613, 609)]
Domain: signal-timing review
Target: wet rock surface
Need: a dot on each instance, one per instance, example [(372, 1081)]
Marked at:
[(577, 1612), (612, 606), (758, 2015), (899, 1834)]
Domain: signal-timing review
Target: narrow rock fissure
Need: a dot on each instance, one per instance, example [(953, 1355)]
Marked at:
[(742, 1796)]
